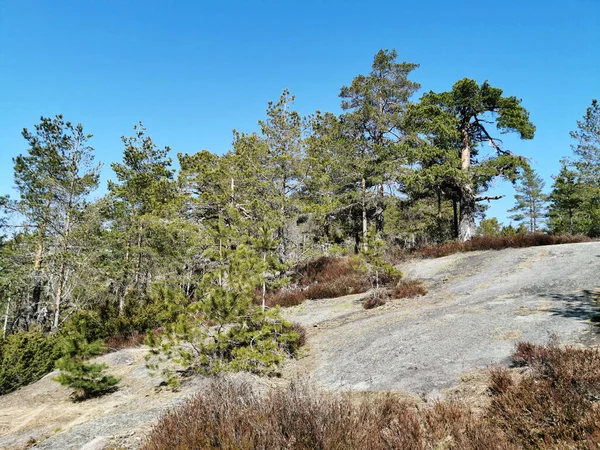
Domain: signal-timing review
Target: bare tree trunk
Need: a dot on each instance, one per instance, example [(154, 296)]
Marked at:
[(124, 281), (37, 265), (6, 317), (364, 213), (570, 221), (264, 283), (466, 228), (65, 249), (455, 221), (380, 209)]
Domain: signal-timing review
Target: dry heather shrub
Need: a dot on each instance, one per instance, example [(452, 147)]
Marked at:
[(499, 243), (324, 277), (285, 298), (121, 341), (452, 425), (234, 416), (373, 302), (552, 405), (409, 289), (555, 403)]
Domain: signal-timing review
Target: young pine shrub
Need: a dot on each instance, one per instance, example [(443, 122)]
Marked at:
[(87, 379), (25, 357), (223, 330)]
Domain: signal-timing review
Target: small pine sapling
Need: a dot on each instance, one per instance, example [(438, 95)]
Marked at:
[(374, 255), (87, 379)]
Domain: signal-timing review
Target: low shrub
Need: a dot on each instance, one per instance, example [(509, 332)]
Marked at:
[(25, 357), (324, 277), (233, 415), (120, 341), (554, 404), (87, 379), (408, 289), (374, 302), (499, 243), (285, 298)]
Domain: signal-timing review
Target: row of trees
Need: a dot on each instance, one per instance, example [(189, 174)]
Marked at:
[(573, 203), (414, 171)]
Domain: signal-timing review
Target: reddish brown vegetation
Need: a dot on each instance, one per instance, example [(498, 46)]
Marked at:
[(553, 404), (408, 289), (121, 341), (499, 243), (324, 277), (233, 416), (373, 302)]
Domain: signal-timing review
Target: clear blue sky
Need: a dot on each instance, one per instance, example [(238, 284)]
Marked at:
[(193, 70)]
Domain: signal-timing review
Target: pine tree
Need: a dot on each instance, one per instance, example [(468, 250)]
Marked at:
[(87, 379), (143, 194), (456, 122), (283, 134), (566, 199), (530, 199), (53, 179), (587, 162), (375, 104)]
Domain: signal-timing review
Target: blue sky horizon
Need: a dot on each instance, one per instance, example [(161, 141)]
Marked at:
[(194, 71)]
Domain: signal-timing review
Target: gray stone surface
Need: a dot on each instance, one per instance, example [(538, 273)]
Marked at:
[(479, 306)]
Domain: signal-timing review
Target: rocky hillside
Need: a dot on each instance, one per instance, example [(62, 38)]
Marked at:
[(479, 305)]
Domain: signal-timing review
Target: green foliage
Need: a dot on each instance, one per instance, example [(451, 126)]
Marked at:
[(374, 255), (25, 357), (223, 330), (451, 128), (530, 205), (87, 379), (489, 227)]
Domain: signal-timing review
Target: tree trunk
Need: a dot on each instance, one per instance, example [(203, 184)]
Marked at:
[(264, 284), (125, 281), (570, 221), (364, 214), (65, 249), (466, 228), (6, 317), (380, 209), (455, 221), (36, 300)]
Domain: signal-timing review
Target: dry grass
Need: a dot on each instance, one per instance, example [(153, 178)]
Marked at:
[(499, 243), (553, 404)]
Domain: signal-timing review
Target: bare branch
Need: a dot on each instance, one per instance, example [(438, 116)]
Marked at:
[(481, 198)]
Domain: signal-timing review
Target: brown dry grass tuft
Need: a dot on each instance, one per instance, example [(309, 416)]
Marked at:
[(553, 404), (409, 289), (499, 243)]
